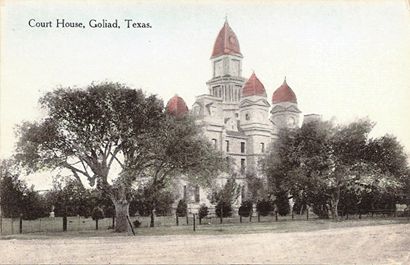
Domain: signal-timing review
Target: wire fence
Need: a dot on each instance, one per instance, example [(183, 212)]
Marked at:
[(10, 226)]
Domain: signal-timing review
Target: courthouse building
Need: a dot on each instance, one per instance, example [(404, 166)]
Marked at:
[(236, 115)]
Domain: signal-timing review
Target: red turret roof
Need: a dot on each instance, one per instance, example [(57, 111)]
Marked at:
[(284, 94), (226, 42), (176, 106), (253, 87)]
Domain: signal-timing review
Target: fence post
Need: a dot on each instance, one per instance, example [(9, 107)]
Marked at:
[(307, 213), (222, 213), (240, 218), (276, 216), (250, 217), (96, 224), (21, 224), (193, 216), (64, 223), (176, 219), (293, 216), (360, 214), (1, 220), (12, 225), (259, 217)]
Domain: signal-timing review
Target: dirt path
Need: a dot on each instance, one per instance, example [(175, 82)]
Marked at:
[(385, 244)]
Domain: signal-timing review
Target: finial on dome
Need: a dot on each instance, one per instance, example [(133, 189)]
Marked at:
[(226, 42), (226, 18), (284, 94)]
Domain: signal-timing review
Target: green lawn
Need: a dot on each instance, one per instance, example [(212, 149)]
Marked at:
[(229, 227)]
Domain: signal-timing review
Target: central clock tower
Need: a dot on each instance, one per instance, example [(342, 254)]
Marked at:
[(227, 81)]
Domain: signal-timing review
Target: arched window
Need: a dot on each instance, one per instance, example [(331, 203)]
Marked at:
[(214, 143)]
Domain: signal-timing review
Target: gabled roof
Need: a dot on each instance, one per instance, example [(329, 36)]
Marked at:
[(279, 108), (226, 42)]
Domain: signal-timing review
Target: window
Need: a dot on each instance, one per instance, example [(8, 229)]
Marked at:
[(262, 147), (247, 117), (197, 110), (185, 193), (243, 165), (197, 195), (242, 147), (235, 67), (218, 68), (236, 115), (243, 192), (214, 142), (227, 145)]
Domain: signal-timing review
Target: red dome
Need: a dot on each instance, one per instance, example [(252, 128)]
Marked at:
[(253, 87), (176, 106), (226, 42), (284, 94)]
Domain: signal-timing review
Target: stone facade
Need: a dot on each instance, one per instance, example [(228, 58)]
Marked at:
[(236, 115)]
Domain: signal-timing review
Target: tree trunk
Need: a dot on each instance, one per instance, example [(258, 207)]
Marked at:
[(121, 213), (335, 203), (334, 210), (152, 215)]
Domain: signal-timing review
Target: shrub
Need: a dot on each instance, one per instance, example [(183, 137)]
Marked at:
[(321, 210), (136, 223), (224, 207), (245, 209), (282, 203), (203, 211), (264, 207), (182, 208), (97, 213)]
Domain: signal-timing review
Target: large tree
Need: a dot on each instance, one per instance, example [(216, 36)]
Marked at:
[(320, 159), (180, 150), (91, 131)]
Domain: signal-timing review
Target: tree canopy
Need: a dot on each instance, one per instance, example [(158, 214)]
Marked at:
[(320, 160), (88, 131), (16, 198)]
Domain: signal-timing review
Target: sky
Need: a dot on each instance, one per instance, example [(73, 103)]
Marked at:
[(343, 59)]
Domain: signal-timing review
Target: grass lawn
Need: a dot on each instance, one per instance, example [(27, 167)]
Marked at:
[(226, 228)]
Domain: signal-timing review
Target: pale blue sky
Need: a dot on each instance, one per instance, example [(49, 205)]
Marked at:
[(345, 59)]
